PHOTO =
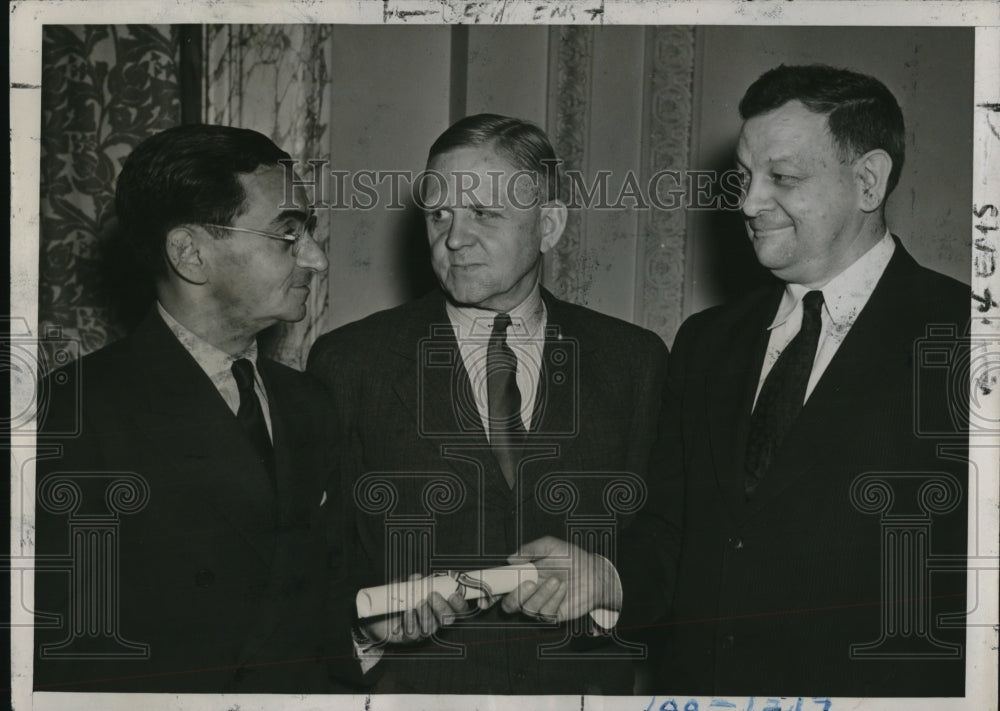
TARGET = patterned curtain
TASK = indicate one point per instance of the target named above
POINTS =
(275, 79)
(104, 89)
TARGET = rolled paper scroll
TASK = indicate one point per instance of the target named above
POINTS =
(472, 585)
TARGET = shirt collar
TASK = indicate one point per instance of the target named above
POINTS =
(846, 294)
(212, 360)
(525, 318)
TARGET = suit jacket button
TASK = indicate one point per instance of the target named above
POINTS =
(735, 542)
(204, 577)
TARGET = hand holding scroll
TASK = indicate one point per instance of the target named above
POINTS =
(432, 612)
(571, 582)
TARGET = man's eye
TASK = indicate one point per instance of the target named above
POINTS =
(783, 179)
(438, 215)
(482, 214)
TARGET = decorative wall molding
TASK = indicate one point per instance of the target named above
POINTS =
(667, 84)
(276, 79)
(666, 145)
(570, 70)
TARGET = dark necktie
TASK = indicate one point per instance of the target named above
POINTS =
(251, 415)
(504, 400)
(783, 393)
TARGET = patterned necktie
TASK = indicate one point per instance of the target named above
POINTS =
(783, 394)
(504, 400)
(251, 415)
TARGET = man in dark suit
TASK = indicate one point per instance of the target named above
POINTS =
(182, 525)
(817, 503)
(490, 419)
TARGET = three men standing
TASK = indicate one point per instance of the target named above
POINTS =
(744, 488)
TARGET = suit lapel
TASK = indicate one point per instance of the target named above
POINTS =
(432, 383)
(182, 399)
(292, 448)
(434, 387)
(288, 444)
(560, 396)
(857, 369)
(730, 387)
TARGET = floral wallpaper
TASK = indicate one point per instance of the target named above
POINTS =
(104, 89)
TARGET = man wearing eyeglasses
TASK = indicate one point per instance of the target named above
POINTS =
(205, 466)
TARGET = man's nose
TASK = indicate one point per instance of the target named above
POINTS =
(311, 256)
(460, 231)
(757, 197)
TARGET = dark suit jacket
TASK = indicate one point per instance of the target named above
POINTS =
(404, 400)
(229, 582)
(773, 592)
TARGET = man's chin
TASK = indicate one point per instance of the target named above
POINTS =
(770, 250)
(463, 295)
(294, 314)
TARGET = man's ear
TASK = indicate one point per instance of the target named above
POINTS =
(553, 223)
(872, 171)
(184, 256)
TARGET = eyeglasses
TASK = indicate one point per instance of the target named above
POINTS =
(292, 237)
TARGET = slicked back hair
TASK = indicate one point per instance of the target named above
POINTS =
(185, 175)
(520, 142)
(862, 113)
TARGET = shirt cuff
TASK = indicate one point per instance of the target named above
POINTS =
(605, 619)
(367, 653)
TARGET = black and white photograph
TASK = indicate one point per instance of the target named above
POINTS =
(459, 354)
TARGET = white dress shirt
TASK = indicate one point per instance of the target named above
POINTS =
(844, 297)
(525, 337)
(218, 365)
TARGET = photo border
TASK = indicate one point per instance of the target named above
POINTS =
(26, 21)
